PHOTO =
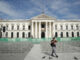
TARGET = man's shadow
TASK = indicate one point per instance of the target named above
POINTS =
(47, 53)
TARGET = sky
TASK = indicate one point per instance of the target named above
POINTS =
(26, 9)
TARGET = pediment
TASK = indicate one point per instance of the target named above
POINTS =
(43, 16)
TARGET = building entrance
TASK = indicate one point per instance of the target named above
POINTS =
(42, 34)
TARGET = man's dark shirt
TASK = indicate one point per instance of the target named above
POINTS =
(53, 43)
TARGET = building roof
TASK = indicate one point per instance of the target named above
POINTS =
(43, 16)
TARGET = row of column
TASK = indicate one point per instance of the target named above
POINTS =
(36, 30)
(67, 26)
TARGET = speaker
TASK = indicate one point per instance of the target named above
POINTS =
(4, 29)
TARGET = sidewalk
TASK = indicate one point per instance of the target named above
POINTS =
(36, 54)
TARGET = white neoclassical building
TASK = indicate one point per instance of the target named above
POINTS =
(41, 26)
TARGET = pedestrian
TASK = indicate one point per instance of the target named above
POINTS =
(53, 45)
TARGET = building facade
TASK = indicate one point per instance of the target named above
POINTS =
(41, 26)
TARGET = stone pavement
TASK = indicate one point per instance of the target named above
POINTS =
(36, 54)
(14, 50)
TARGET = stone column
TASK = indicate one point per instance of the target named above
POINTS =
(39, 29)
(79, 28)
(46, 30)
(32, 30)
(49, 29)
(74, 27)
(75, 34)
(58, 27)
(70, 34)
(20, 34)
(35, 29)
(14, 34)
(59, 34)
(9, 34)
(9, 26)
(53, 30)
(69, 27)
(64, 27)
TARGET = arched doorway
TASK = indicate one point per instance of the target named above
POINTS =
(11, 34)
(23, 35)
(72, 34)
(61, 34)
(42, 34)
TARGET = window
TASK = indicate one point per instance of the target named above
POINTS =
(61, 27)
(0, 34)
(42, 25)
(56, 27)
(77, 27)
(29, 34)
(12, 27)
(17, 27)
(67, 34)
(6, 27)
(66, 27)
(56, 35)
(23, 27)
(6, 34)
(17, 34)
(23, 35)
(72, 34)
(29, 27)
(61, 34)
(77, 34)
(72, 27)
(11, 34)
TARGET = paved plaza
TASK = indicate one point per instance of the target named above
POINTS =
(41, 51)
(37, 54)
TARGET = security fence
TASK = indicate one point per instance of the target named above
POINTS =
(36, 40)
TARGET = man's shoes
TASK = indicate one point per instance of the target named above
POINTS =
(43, 57)
(56, 56)
(52, 55)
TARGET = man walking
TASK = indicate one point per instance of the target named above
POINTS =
(53, 45)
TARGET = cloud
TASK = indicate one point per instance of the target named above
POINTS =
(7, 9)
(63, 9)
(55, 8)
(77, 2)
(58, 4)
(71, 16)
(39, 5)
